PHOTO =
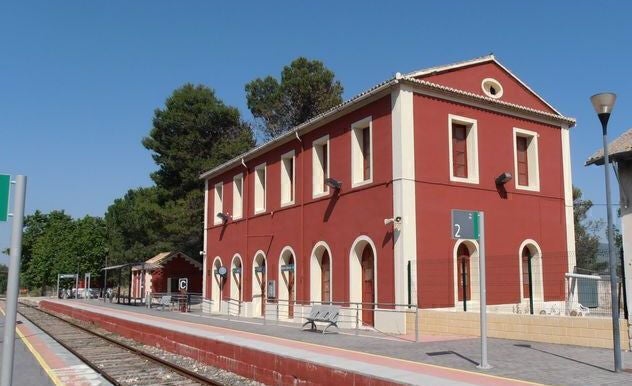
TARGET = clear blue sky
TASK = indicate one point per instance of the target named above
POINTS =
(79, 80)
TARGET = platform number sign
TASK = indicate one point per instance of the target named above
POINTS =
(5, 186)
(183, 283)
(465, 224)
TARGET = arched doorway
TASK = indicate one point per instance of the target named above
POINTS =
(531, 277)
(216, 286)
(259, 284)
(320, 274)
(287, 275)
(464, 288)
(235, 279)
(362, 278)
(368, 285)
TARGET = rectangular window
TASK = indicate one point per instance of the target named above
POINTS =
(526, 160)
(287, 178)
(218, 206)
(260, 188)
(459, 150)
(361, 152)
(320, 166)
(463, 149)
(238, 196)
(523, 160)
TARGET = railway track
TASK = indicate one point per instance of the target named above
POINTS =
(117, 362)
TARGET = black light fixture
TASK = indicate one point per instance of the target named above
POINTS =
(333, 183)
(224, 217)
(503, 178)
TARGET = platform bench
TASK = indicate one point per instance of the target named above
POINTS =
(323, 314)
(165, 301)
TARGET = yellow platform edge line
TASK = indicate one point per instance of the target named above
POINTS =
(49, 371)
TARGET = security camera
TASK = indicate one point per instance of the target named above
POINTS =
(396, 221)
(202, 253)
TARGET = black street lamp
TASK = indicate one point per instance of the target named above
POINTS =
(603, 104)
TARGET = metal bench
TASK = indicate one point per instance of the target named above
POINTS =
(323, 314)
(165, 301)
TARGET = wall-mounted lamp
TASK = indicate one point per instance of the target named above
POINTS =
(202, 253)
(503, 178)
(224, 217)
(333, 183)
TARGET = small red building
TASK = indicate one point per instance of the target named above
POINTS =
(161, 274)
(354, 206)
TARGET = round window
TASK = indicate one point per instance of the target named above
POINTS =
(492, 88)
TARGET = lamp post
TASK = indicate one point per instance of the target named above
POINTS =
(603, 104)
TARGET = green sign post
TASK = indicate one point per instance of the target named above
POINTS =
(5, 186)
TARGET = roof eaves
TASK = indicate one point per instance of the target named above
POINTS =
(303, 126)
(437, 87)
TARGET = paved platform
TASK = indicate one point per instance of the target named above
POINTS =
(40, 361)
(369, 357)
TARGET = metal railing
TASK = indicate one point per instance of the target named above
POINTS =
(175, 301)
(350, 317)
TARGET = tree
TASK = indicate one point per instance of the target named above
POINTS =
(194, 132)
(135, 226)
(60, 244)
(586, 234)
(307, 88)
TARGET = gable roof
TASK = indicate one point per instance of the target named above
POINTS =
(164, 257)
(619, 149)
(382, 87)
(472, 62)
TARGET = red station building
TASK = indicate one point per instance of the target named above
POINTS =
(354, 205)
(161, 274)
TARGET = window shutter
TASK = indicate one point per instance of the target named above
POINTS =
(523, 160)
(459, 150)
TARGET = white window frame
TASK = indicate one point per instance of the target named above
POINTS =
(287, 185)
(260, 189)
(218, 202)
(357, 166)
(532, 156)
(319, 189)
(471, 138)
(238, 197)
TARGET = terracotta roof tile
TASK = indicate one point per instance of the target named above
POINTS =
(620, 148)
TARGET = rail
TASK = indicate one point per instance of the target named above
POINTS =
(176, 368)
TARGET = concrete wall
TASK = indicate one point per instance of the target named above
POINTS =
(581, 331)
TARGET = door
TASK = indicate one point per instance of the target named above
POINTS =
(463, 272)
(526, 273)
(368, 290)
(290, 289)
(324, 276)
(262, 283)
